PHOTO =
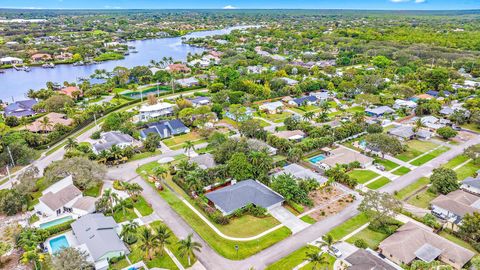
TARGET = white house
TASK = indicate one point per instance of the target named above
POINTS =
(271, 107)
(10, 60)
(408, 104)
(471, 185)
(151, 111)
(64, 197)
(187, 82)
(111, 138)
(289, 81)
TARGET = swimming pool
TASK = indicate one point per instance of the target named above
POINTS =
(316, 159)
(55, 222)
(58, 243)
(363, 143)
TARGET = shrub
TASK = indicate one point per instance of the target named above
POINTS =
(131, 239)
(360, 243)
(299, 208)
(95, 135)
(118, 185)
(59, 228)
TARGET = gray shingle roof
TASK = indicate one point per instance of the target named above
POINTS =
(472, 182)
(98, 233)
(241, 194)
(364, 260)
(204, 161)
(57, 200)
(112, 138)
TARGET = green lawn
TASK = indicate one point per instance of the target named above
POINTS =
(293, 259)
(180, 146)
(415, 149)
(378, 183)
(303, 109)
(427, 157)
(120, 217)
(422, 199)
(467, 170)
(471, 126)
(142, 206)
(145, 155)
(362, 176)
(247, 226)
(401, 171)
(94, 191)
(356, 109)
(348, 226)
(308, 219)
(454, 162)
(180, 139)
(262, 123)
(389, 165)
(457, 241)
(327, 266)
(275, 117)
(412, 188)
(372, 238)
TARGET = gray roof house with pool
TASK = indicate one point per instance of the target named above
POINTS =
(234, 197)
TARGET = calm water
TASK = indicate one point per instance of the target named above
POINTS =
(14, 84)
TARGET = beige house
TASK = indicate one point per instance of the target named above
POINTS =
(53, 120)
(342, 155)
(293, 135)
(411, 242)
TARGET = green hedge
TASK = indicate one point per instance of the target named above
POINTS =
(59, 228)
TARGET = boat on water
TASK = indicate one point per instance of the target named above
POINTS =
(48, 65)
(26, 69)
(79, 63)
(134, 51)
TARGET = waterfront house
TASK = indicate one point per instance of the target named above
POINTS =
(40, 57)
(411, 242)
(240, 194)
(22, 108)
(148, 112)
(10, 60)
(71, 91)
(111, 138)
(98, 236)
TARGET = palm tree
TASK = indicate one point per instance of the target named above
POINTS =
(23, 121)
(315, 258)
(71, 144)
(133, 190)
(111, 197)
(162, 235)
(123, 205)
(328, 241)
(160, 173)
(188, 147)
(148, 242)
(187, 246)
(308, 116)
(129, 230)
(418, 125)
(45, 123)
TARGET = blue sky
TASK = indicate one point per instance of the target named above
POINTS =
(218, 4)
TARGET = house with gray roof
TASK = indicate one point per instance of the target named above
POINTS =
(200, 101)
(111, 138)
(455, 205)
(402, 132)
(165, 128)
(97, 234)
(471, 185)
(234, 197)
(367, 259)
(205, 161)
(301, 101)
(302, 173)
(379, 111)
(22, 108)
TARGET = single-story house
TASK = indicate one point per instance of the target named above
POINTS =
(411, 242)
(70, 90)
(422, 96)
(151, 111)
(343, 155)
(446, 111)
(293, 135)
(301, 172)
(234, 197)
(307, 100)
(63, 56)
(402, 132)
(289, 81)
(10, 60)
(200, 101)
(178, 68)
(455, 205)
(38, 57)
(472, 185)
(408, 104)
(322, 95)
(256, 69)
(379, 111)
(165, 128)
(22, 108)
(111, 138)
(248, 115)
(434, 93)
(63, 197)
(367, 259)
(98, 235)
(432, 122)
(205, 161)
(187, 82)
(54, 119)
(259, 145)
(271, 107)
(424, 134)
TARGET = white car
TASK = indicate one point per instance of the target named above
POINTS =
(335, 252)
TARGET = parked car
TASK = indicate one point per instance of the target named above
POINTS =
(380, 167)
(335, 252)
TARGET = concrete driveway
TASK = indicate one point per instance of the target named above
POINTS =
(288, 219)
(345, 248)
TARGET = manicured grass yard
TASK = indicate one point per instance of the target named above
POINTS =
(274, 117)
(422, 199)
(192, 136)
(363, 176)
(457, 241)
(378, 183)
(120, 217)
(262, 123)
(415, 149)
(297, 257)
(401, 171)
(389, 165)
(328, 266)
(467, 170)
(412, 188)
(454, 162)
(372, 238)
(145, 155)
(348, 226)
(247, 226)
(427, 157)
(356, 109)
(94, 191)
(142, 206)
(308, 219)
(303, 109)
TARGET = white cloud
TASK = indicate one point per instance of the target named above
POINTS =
(407, 1)
(229, 7)
(420, 1)
(399, 1)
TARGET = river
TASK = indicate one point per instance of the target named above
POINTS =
(15, 84)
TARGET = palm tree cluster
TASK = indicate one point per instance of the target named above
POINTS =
(154, 241)
(193, 178)
(115, 155)
(110, 202)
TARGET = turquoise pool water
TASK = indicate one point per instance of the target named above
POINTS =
(363, 143)
(55, 222)
(59, 243)
(316, 159)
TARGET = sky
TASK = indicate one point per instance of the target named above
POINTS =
(245, 4)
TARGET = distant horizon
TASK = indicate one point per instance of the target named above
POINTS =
(382, 5)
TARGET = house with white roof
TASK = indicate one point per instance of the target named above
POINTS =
(379, 111)
(407, 104)
(148, 112)
(272, 107)
(111, 138)
(471, 185)
(301, 172)
(10, 60)
(188, 82)
(289, 81)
